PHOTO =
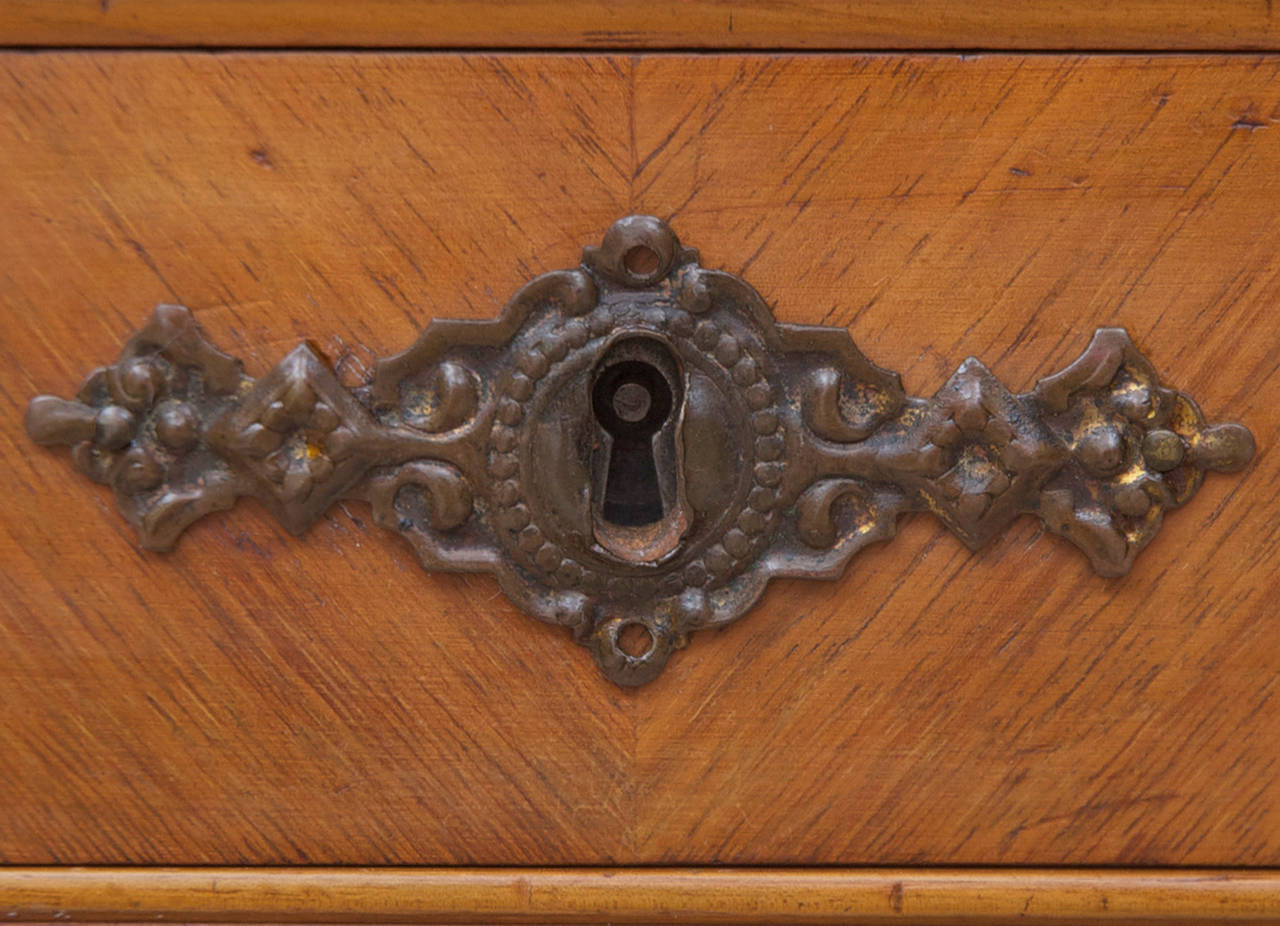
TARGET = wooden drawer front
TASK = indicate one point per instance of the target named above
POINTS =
(257, 698)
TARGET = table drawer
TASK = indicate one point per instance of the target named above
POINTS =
(257, 698)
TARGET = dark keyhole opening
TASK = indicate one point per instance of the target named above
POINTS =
(632, 400)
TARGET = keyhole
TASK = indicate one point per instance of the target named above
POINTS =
(638, 509)
(632, 401)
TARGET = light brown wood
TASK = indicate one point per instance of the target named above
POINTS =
(812, 24)
(640, 895)
(254, 698)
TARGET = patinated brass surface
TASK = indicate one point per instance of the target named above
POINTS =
(635, 447)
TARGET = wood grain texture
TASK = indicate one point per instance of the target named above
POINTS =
(639, 895)
(254, 698)
(773, 24)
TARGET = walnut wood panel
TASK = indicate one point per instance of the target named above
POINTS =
(639, 895)
(254, 698)
(811, 24)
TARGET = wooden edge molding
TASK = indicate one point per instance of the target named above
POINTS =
(639, 895)
(1218, 25)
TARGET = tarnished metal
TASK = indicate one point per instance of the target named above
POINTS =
(635, 447)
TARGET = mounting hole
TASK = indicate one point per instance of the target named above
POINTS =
(635, 640)
(632, 650)
(641, 261)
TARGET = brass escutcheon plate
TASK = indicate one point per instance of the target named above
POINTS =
(635, 447)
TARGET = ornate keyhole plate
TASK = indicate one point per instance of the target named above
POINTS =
(635, 448)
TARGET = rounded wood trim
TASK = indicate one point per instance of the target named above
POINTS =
(814, 24)
(638, 895)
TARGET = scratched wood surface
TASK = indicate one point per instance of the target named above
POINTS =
(253, 698)
(773, 24)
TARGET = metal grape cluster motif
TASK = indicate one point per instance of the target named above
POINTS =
(634, 448)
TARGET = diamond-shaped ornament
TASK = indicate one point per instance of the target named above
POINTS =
(980, 451)
(302, 436)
